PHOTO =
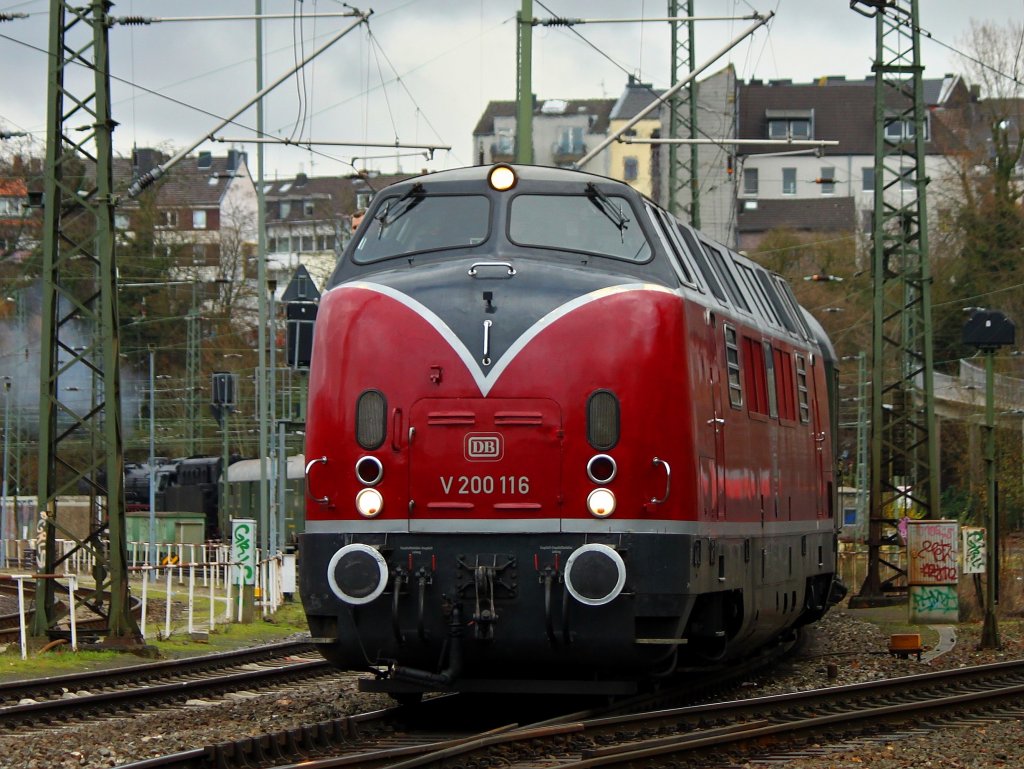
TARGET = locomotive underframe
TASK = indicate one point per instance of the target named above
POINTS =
(459, 606)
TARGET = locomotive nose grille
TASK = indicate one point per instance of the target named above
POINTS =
(485, 458)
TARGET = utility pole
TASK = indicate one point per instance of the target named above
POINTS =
(524, 84)
(682, 118)
(192, 371)
(988, 330)
(262, 401)
(904, 441)
(80, 294)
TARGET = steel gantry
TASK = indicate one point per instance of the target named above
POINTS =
(904, 440)
(80, 441)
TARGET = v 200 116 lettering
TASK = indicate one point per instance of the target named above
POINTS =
(485, 484)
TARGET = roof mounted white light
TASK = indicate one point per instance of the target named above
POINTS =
(502, 178)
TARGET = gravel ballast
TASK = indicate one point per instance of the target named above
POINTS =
(844, 644)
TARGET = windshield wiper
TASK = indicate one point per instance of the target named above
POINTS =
(403, 205)
(604, 204)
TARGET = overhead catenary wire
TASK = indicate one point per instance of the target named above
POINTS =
(152, 175)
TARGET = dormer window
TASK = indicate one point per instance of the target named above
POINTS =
(897, 130)
(790, 124)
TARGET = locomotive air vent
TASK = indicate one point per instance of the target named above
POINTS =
(603, 420)
(371, 410)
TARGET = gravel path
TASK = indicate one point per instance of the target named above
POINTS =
(856, 648)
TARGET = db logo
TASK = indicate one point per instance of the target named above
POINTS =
(484, 447)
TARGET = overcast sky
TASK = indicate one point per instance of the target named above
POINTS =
(430, 68)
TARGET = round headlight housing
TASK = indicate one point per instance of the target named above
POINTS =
(502, 178)
(602, 468)
(369, 470)
(369, 503)
(601, 503)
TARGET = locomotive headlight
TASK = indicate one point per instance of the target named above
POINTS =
(601, 503)
(502, 178)
(369, 502)
(369, 470)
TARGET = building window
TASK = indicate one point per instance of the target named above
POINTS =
(828, 181)
(10, 206)
(867, 179)
(504, 143)
(121, 221)
(363, 200)
(732, 359)
(789, 181)
(166, 219)
(749, 181)
(902, 130)
(570, 141)
(789, 128)
(307, 207)
(630, 168)
(198, 220)
(284, 209)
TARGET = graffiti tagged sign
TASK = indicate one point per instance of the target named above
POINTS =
(932, 550)
(974, 549)
(934, 604)
(934, 576)
(243, 550)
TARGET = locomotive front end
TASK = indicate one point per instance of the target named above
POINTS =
(491, 438)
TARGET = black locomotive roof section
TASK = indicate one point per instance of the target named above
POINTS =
(472, 181)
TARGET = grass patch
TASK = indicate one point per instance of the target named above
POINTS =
(287, 621)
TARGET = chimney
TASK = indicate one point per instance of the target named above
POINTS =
(205, 160)
(301, 179)
(235, 159)
(145, 159)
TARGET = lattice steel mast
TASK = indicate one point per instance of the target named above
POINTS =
(904, 440)
(79, 323)
(682, 117)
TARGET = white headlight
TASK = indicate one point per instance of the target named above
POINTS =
(369, 502)
(601, 503)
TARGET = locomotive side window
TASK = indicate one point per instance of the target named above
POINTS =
(787, 294)
(596, 224)
(417, 222)
(732, 359)
(702, 264)
(801, 389)
(665, 231)
(760, 298)
(776, 301)
(719, 262)
(784, 380)
(769, 364)
(755, 376)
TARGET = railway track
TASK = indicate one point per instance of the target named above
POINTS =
(763, 729)
(57, 699)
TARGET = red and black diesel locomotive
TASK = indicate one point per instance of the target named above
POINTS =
(559, 441)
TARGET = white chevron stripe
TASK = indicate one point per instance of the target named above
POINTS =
(486, 381)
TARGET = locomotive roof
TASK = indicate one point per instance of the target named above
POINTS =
(524, 173)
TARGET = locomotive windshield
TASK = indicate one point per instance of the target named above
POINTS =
(414, 222)
(595, 223)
